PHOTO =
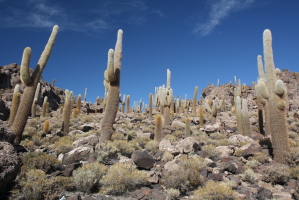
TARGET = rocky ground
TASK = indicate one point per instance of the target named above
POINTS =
(214, 157)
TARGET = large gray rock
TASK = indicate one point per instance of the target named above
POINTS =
(10, 165)
(187, 145)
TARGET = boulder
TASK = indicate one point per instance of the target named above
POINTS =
(187, 145)
(143, 160)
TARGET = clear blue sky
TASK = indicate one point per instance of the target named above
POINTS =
(200, 41)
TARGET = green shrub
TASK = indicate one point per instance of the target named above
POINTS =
(294, 173)
(87, 177)
(214, 191)
(171, 138)
(39, 160)
(186, 176)
(121, 178)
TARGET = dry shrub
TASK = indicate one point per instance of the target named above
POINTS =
(250, 176)
(213, 153)
(39, 160)
(33, 185)
(152, 145)
(63, 145)
(126, 148)
(276, 174)
(215, 191)
(87, 177)
(105, 151)
(167, 156)
(186, 176)
(172, 193)
(171, 138)
(122, 177)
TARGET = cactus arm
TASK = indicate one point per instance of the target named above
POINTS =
(24, 72)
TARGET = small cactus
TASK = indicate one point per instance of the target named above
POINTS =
(44, 107)
(187, 127)
(46, 127)
(158, 128)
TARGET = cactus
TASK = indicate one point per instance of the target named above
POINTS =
(166, 98)
(194, 100)
(150, 104)
(46, 127)
(78, 104)
(31, 84)
(15, 104)
(187, 127)
(66, 112)
(201, 117)
(214, 109)
(273, 91)
(44, 108)
(158, 128)
(245, 118)
(112, 77)
(34, 104)
(53, 82)
(85, 94)
(128, 104)
(239, 115)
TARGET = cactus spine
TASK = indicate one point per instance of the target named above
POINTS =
(31, 84)
(15, 104)
(273, 90)
(112, 77)
(158, 128)
(194, 100)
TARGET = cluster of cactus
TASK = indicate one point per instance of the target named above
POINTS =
(212, 107)
(30, 81)
(272, 93)
(112, 83)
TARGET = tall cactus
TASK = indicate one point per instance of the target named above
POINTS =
(67, 112)
(128, 104)
(31, 83)
(112, 77)
(15, 104)
(150, 110)
(239, 115)
(194, 100)
(166, 98)
(34, 104)
(273, 90)
(245, 118)
(158, 128)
